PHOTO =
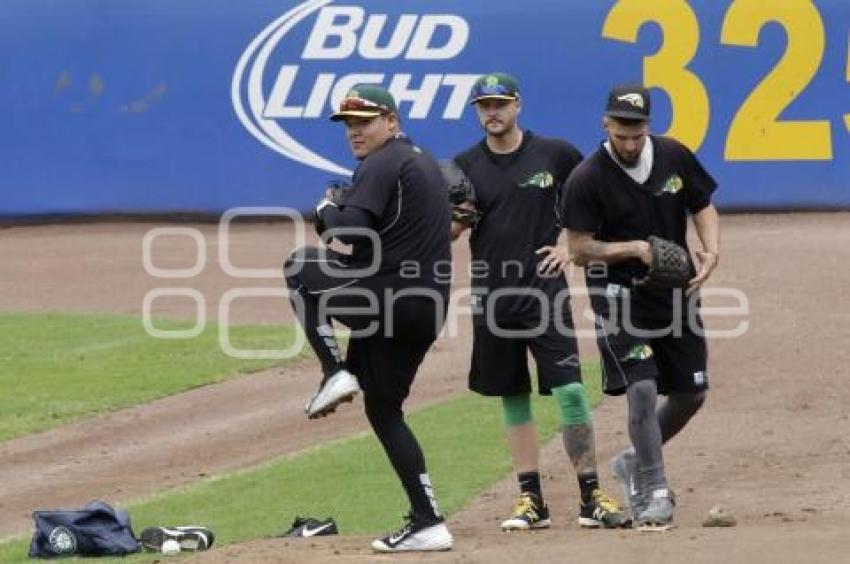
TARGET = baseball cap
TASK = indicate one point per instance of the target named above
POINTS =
(365, 100)
(497, 85)
(628, 101)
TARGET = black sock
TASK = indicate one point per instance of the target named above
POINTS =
(587, 483)
(530, 482)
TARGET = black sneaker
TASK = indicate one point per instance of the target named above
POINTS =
(530, 513)
(602, 511)
(309, 527)
(416, 535)
(190, 538)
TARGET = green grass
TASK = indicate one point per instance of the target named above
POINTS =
(351, 480)
(58, 368)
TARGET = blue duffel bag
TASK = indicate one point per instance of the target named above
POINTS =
(95, 530)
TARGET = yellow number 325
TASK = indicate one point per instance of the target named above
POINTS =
(756, 133)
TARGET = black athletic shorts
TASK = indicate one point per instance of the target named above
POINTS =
(500, 363)
(677, 359)
(671, 352)
(390, 332)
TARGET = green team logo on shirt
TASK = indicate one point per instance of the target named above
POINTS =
(639, 352)
(542, 180)
(673, 185)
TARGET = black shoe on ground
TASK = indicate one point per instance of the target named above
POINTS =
(309, 527)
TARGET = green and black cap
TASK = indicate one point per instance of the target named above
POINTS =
(497, 85)
(365, 100)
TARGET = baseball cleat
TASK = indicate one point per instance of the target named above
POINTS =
(190, 538)
(309, 527)
(334, 390)
(623, 465)
(602, 511)
(530, 513)
(416, 536)
(658, 515)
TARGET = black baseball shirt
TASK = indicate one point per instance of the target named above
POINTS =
(517, 195)
(402, 188)
(602, 199)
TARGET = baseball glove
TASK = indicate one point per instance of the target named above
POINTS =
(340, 190)
(459, 190)
(671, 266)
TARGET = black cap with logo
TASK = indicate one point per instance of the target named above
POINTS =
(628, 101)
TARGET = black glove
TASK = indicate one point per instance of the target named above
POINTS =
(459, 190)
(340, 190)
(671, 266)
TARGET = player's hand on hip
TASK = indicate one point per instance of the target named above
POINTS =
(555, 259)
(706, 261)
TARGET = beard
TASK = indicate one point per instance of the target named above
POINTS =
(502, 129)
(628, 163)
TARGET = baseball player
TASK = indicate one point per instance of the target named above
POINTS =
(396, 218)
(516, 176)
(626, 208)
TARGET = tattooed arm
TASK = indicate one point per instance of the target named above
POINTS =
(584, 249)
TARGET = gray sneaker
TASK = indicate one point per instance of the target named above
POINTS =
(623, 465)
(339, 388)
(658, 515)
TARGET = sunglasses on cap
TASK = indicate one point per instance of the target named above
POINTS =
(494, 90)
(361, 105)
(503, 91)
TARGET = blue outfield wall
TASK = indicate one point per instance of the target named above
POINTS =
(203, 105)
